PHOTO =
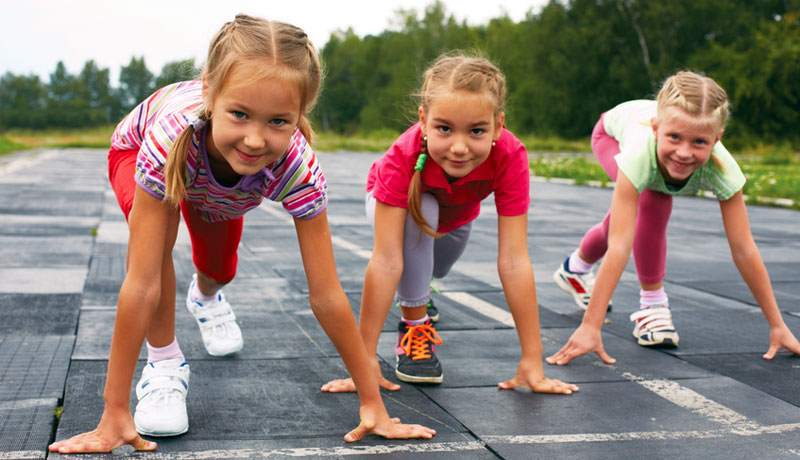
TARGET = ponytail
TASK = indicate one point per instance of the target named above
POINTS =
(415, 194)
(304, 125)
(175, 169)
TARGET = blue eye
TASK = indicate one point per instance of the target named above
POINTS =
(238, 114)
(478, 131)
(278, 122)
(444, 129)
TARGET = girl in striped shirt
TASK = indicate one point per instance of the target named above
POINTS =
(215, 148)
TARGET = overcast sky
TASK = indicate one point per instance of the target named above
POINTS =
(36, 34)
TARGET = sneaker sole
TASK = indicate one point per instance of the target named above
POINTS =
(416, 379)
(666, 342)
(161, 434)
(566, 287)
(227, 353)
(435, 318)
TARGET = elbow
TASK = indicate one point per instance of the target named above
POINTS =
(507, 265)
(329, 303)
(744, 253)
(387, 265)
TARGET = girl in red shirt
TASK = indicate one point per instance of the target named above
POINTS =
(422, 197)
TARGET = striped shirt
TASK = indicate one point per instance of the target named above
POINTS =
(295, 179)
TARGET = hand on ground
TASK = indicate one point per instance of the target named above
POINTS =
(114, 430)
(348, 386)
(585, 339)
(781, 337)
(531, 376)
(377, 421)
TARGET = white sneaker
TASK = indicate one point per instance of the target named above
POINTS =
(161, 410)
(221, 334)
(579, 285)
(653, 327)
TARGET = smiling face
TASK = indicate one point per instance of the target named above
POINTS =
(683, 143)
(251, 123)
(460, 126)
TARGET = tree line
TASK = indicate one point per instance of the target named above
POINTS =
(83, 100)
(564, 64)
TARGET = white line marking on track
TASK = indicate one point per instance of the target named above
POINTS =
(695, 402)
(26, 404)
(481, 306)
(22, 454)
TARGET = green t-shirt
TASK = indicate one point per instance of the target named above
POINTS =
(629, 124)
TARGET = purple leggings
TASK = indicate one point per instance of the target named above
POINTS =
(650, 240)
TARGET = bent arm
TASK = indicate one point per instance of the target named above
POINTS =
(747, 258)
(153, 229)
(620, 241)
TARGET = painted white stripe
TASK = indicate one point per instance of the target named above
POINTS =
(463, 446)
(693, 401)
(26, 404)
(481, 306)
(26, 162)
(641, 435)
(22, 454)
(352, 247)
(421, 448)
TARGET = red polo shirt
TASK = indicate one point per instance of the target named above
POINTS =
(505, 172)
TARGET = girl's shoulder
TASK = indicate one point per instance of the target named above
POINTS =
(630, 116)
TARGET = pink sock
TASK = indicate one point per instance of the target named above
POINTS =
(578, 265)
(171, 351)
(653, 298)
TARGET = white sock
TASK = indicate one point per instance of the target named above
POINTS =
(578, 265)
(416, 322)
(197, 294)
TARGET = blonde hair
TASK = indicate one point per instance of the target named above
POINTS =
(453, 72)
(697, 95)
(286, 52)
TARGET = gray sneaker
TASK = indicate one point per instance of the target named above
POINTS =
(415, 353)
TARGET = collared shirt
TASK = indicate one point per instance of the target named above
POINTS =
(505, 173)
(295, 179)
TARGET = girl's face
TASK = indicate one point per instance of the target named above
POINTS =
(682, 144)
(461, 127)
(251, 124)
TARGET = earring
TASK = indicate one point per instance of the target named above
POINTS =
(425, 138)
(494, 143)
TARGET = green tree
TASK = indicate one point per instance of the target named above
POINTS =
(22, 101)
(176, 71)
(135, 83)
(96, 93)
(66, 105)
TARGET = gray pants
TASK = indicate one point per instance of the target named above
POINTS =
(424, 257)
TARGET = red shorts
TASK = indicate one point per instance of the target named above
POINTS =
(214, 244)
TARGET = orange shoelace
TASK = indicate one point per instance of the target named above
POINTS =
(416, 341)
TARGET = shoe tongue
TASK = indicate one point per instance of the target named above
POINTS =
(168, 363)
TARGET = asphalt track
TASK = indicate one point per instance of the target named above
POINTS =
(62, 257)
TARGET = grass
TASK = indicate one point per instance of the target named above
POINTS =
(771, 173)
(15, 140)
